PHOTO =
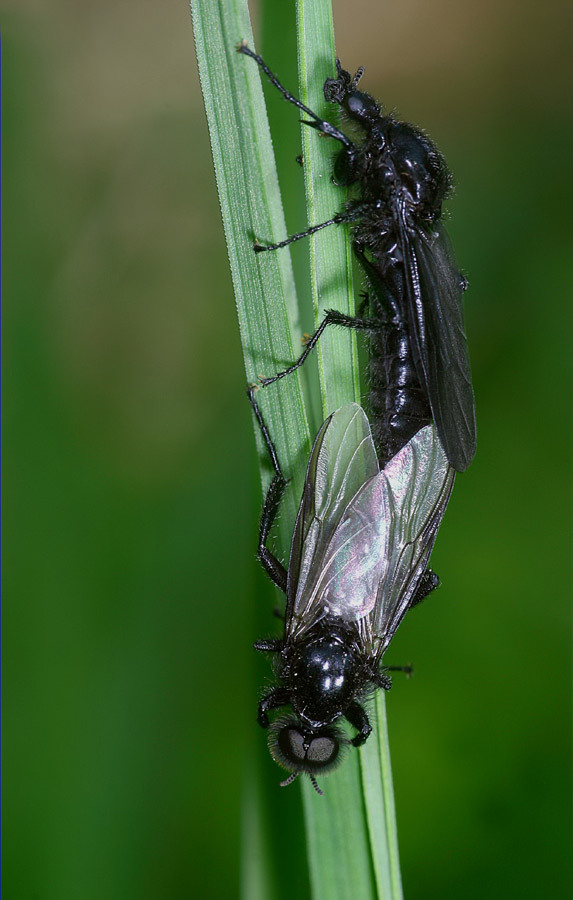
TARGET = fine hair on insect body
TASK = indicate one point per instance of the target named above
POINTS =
(358, 561)
(399, 180)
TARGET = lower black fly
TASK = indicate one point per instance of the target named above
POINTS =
(400, 180)
(358, 561)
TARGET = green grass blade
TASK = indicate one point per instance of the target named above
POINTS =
(330, 251)
(251, 206)
(351, 831)
(378, 792)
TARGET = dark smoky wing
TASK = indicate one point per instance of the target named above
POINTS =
(342, 459)
(435, 289)
(421, 481)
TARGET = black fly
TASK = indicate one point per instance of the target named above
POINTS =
(358, 561)
(400, 179)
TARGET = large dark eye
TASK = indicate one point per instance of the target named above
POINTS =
(361, 106)
(313, 752)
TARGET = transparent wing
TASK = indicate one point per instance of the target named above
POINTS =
(343, 458)
(369, 567)
(380, 549)
(435, 311)
(419, 481)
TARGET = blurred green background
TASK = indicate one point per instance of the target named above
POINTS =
(131, 492)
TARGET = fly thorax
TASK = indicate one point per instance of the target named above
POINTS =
(324, 674)
(419, 167)
(379, 182)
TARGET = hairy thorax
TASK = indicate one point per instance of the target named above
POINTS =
(324, 673)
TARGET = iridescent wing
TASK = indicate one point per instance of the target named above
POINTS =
(380, 549)
(417, 485)
(363, 563)
(343, 458)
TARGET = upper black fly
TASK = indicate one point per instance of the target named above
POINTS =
(358, 561)
(400, 180)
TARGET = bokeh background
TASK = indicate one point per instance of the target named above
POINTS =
(131, 493)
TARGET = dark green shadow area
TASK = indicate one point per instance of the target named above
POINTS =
(131, 493)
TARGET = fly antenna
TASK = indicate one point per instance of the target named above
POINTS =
(357, 77)
(315, 785)
(289, 780)
(407, 670)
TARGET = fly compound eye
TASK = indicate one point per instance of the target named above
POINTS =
(361, 106)
(322, 750)
(313, 752)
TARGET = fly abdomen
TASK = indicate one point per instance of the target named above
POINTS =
(398, 405)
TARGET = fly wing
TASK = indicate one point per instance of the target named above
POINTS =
(370, 568)
(435, 312)
(343, 458)
(420, 481)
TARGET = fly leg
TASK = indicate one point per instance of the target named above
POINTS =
(357, 717)
(352, 213)
(272, 566)
(428, 583)
(332, 317)
(338, 219)
(407, 670)
(381, 680)
(387, 301)
(251, 390)
(275, 698)
(269, 645)
(320, 124)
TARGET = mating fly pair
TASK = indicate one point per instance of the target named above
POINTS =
(374, 497)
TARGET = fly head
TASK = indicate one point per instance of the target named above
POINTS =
(302, 750)
(361, 107)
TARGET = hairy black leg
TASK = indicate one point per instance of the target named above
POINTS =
(321, 124)
(338, 219)
(385, 298)
(270, 645)
(275, 698)
(381, 680)
(251, 390)
(272, 566)
(428, 583)
(357, 717)
(332, 317)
